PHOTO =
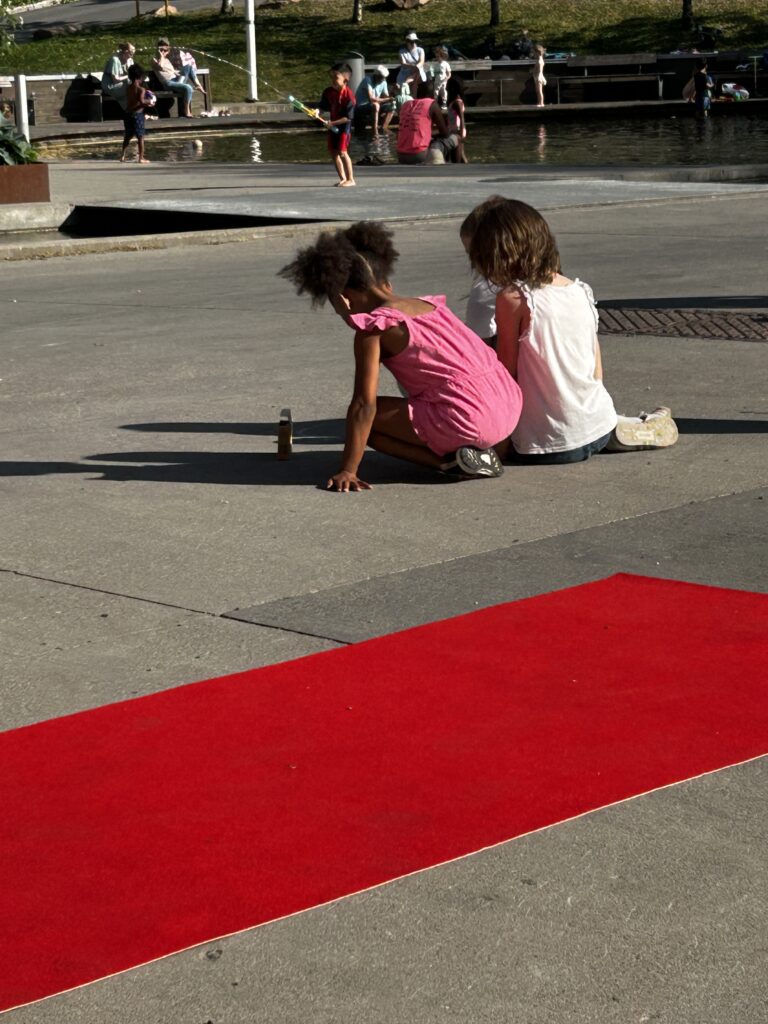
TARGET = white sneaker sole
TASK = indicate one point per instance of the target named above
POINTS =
(657, 430)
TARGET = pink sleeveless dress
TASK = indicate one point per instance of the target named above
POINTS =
(459, 393)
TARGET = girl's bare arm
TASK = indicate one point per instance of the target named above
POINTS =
(438, 119)
(511, 320)
(598, 361)
(360, 414)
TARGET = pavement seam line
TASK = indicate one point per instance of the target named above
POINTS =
(230, 617)
(509, 547)
(167, 604)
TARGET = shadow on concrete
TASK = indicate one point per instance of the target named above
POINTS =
(690, 302)
(305, 469)
(707, 426)
(304, 432)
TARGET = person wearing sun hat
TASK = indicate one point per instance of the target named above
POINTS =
(412, 59)
(372, 98)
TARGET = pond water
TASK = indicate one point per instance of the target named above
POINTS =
(734, 139)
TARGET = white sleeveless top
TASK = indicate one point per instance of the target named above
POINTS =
(564, 405)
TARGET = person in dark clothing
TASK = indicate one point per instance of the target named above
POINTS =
(522, 48)
(702, 88)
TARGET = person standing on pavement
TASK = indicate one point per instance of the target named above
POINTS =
(339, 100)
(136, 101)
(441, 73)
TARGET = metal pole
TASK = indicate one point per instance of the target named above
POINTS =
(138, 9)
(22, 113)
(250, 41)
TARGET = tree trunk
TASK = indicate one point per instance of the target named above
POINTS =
(686, 19)
(495, 12)
(357, 12)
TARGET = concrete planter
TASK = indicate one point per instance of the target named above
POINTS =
(24, 183)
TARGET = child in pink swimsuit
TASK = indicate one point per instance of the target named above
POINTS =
(461, 401)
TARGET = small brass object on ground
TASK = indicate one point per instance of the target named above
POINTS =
(285, 435)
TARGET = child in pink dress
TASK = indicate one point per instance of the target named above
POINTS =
(461, 401)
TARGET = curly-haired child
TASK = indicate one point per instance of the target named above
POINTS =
(546, 337)
(461, 401)
(137, 99)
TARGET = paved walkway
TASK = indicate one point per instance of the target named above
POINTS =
(86, 13)
(143, 504)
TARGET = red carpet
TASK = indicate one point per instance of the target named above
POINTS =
(141, 828)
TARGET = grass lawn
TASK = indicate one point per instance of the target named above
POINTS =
(296, 43)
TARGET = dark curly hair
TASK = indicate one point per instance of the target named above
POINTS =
(512, 242)
(355, 257)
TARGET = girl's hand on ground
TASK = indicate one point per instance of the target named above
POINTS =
(346, 481)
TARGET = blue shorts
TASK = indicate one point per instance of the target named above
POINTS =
(134, 124)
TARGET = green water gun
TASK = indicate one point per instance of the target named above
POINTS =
(298, 105)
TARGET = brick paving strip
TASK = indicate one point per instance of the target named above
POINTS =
(684, 323)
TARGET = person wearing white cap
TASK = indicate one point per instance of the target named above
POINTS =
(412, 60)
(372, 98)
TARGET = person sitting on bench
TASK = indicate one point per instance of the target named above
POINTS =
(182, 83)
(372, 98)
(114, 81)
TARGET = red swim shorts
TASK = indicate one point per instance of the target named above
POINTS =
(338, 143)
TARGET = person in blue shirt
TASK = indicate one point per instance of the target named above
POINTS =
(373, 99)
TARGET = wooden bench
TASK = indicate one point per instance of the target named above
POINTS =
(101, 107)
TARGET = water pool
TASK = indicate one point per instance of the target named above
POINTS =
(734, 139)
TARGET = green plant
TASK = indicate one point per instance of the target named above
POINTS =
(8, 23)
(14, 148)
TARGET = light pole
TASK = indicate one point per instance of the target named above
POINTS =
(250, 42)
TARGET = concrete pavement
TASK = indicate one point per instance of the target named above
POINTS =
(151, 538)
(84, 13)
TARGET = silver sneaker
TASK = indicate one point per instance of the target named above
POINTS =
(478, 462)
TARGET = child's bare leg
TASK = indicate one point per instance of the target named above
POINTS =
(349, 173)
(392, 433)
(141, 158)
(339, 164)
(539, 94)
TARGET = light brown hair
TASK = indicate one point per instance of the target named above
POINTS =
(470, 222)
(512, 242)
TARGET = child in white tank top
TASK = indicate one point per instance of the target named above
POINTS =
(546, 327)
